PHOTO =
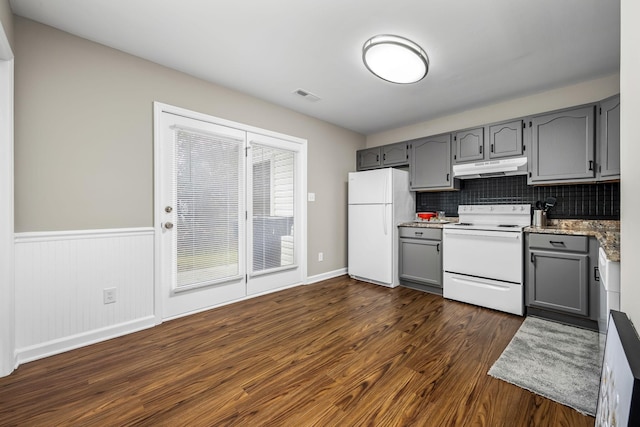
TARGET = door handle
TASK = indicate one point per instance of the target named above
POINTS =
(168, 225)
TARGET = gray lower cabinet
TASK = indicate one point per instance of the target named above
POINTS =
(609, 161)
(430, 163)
(420, 258)
(563, 146)
(559, 282)
(368, 158)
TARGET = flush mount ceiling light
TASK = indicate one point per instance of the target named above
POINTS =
(395, 59)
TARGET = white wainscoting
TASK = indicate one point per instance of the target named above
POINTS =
(59, 283)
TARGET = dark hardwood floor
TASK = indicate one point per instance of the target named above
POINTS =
(335, 353)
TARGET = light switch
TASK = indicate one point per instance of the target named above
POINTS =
(311, 197)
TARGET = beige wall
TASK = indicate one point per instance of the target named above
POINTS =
(568, 96)
(84, 148)
(6, 18)
(630, 153)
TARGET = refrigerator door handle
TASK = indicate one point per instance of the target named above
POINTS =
(384, 207)
(384, 219)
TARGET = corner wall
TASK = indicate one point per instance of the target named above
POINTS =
(630, 153)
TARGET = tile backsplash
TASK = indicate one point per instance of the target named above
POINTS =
(580, 201)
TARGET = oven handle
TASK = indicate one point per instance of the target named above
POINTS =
(482, 284)
(478, 233)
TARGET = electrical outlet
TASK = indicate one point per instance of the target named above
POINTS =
(320, 256)
(109, 295)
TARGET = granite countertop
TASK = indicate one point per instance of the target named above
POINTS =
(607, 232)
(429, 224)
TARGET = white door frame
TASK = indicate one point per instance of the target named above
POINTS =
(8, 359)
(158, 109)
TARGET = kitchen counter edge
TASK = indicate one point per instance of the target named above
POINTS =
(606, 232)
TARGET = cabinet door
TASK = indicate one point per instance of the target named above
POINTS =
(609, 167)
(430, 163)
(505, 139)
(395, 154)
(563, 146)
(421, 261)
(469, 145)
(369, 158)
(559, 282)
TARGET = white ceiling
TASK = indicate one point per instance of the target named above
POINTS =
(481, 51)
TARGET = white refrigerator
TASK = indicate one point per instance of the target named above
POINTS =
(379, 200)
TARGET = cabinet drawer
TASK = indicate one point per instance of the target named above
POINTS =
(421, 233)
(558, 242)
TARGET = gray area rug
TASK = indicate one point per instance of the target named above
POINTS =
(559, 362)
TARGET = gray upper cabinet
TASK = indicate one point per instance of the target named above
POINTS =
(369, 158)
(609, 162)
(505, 139)
(381, 157)
(430, 163)
(495, 141)
(469, 145)
(563, 146)
(395, 154)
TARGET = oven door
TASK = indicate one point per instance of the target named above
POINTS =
(481, 253)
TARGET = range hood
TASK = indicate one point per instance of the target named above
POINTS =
(513, 166)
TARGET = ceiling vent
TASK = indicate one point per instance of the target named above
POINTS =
(307, 95)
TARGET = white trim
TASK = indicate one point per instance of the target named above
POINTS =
(325, 276)
(45, 236)
(8, 361)
(61, 345)
(160, 108)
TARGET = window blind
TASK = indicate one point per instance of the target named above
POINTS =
(209, 172)
(273, 178)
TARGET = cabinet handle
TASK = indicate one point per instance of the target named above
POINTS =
(438, 247)
(533, 258)
(556, 243)
(447, 177)
(590, 165)
(530, 124)
(377, 157)
(384, 156)
(481, 149)
(418, 233)
(596, 274)
(492, 148)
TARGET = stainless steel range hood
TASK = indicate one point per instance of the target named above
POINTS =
(514, 166)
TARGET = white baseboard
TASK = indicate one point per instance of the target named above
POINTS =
(40, 351)
(324, 276)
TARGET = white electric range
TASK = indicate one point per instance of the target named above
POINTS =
(483, 256)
